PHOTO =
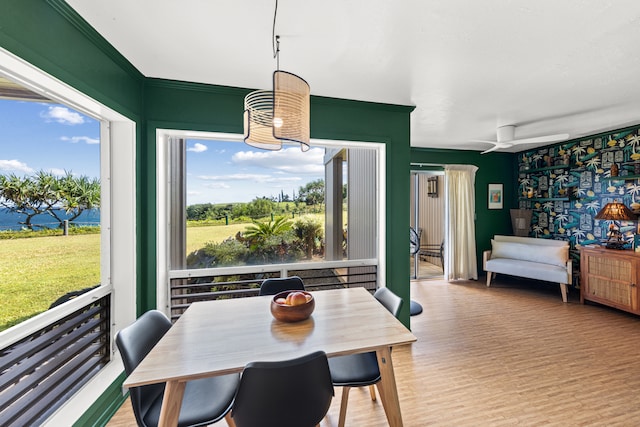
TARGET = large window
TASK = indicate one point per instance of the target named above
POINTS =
(228, 205)
(76, 162)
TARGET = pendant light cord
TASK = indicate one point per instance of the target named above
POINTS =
(275, 40)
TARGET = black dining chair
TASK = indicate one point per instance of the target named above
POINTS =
(205, 401)
(361, 370)
(278, 284)
(289, 393)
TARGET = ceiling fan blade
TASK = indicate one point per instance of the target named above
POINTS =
(542, 139)
(505, 144)
(496, 145)
(494, 148)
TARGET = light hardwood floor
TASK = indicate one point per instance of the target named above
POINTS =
(428, 270)
(508, 355)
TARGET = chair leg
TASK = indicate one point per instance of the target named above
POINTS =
(372, 391)
(229, 420)
(343, 406)
(489, 276)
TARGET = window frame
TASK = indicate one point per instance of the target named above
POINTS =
(163, 183)
(118, 226)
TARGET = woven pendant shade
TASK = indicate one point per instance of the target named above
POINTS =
(271, 117)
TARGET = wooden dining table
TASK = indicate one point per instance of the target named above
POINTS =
(221, 337)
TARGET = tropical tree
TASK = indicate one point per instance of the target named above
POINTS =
(198, 212)
(308, 230)
(262, 230)
(20, 196)
(208, 211)
(77, 194)
(312, 193)
(258, 207)
(46, 193)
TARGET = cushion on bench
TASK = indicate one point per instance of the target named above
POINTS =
(543, 254)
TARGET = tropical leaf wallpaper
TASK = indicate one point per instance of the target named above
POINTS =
(565, 185)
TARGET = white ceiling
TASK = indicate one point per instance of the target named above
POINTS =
(468, 66)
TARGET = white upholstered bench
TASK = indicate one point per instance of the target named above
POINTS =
(540, 259)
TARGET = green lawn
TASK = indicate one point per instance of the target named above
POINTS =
(35, 272)
(197, 237)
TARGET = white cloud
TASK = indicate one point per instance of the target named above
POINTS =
(217, 185)
(234, 177)
(257, 178)
(85, 139)
(63, 115)
(290, 160)
(284, 179)
(14, 165)
(198, 148)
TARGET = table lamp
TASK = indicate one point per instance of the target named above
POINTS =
(613, 212)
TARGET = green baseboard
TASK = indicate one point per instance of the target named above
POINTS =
(99, 414)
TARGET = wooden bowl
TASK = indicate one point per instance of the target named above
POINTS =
(292, 313)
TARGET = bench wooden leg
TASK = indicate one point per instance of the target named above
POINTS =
(489, 277)
(563, 290)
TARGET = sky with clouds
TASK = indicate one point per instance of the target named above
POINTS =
(222, 171)
(38, 136)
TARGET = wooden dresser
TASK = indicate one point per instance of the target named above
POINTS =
(610, 277)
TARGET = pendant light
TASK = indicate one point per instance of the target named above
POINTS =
(272, 117)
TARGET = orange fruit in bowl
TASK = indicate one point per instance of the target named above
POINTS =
(298, 306)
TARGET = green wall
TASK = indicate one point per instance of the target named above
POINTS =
(49, 35)
(493, 168)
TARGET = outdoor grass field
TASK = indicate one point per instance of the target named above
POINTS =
(35, 272)
(197, 237)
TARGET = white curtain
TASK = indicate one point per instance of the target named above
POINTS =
(460, 246)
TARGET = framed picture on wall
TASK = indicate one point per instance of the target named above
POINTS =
(495, 196)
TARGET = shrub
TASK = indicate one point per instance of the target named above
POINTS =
(308, 230)
(26, 233)
(241, 250)
(275, 249)
(227, 253)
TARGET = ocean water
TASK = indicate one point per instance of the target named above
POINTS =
(11, 221)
